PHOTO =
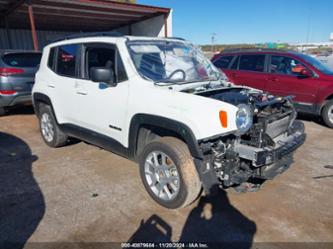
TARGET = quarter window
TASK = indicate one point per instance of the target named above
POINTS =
(252, 63)
(50, 61)
(223, 61)
(285, 65)
(66, 60)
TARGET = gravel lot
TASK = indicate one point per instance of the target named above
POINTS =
(83, 193)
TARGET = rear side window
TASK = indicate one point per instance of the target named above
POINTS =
(66, 60)
(223, 61)
(252, 63)
(22, 59)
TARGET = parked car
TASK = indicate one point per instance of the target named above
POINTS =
(283, 73)
(161, 102)
(17, 76)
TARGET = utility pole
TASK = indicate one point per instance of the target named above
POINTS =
(213, 37)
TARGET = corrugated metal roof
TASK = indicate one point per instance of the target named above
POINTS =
(21, 39)
(76, 15)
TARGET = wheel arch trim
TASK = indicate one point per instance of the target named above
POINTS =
(179, 128)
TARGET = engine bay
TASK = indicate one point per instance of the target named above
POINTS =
(254, 156)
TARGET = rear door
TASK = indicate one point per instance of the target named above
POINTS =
(63, 62)
(285, 79)
(249, 70)
(20, 69)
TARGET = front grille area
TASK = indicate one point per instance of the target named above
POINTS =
(277, 127)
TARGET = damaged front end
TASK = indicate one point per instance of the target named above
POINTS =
(262, 152)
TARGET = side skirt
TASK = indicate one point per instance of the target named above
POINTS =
(307, 108)
(97, 139)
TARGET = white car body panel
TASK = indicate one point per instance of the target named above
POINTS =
(85, 104)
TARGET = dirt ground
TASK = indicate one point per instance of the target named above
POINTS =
(83, 193)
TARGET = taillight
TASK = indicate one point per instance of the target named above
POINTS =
(7, 92)
(4, 71)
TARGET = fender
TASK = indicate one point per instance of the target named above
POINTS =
(40, 97)
(208, 177)
(164, 123)
(325, 93)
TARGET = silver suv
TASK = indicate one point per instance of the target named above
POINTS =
(17, 76)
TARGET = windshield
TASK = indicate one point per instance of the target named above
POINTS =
(171, 62)
(317, 64)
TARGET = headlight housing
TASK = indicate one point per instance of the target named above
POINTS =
(244, 118)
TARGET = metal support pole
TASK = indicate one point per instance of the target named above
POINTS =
(33, 28)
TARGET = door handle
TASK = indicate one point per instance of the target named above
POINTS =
(82, 92)
(80, 89)
(51, 86)
(274, 79)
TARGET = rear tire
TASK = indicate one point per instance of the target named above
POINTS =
(50, 131)
(327, 114)
(174, 162)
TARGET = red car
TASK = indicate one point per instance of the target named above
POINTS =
(283, 73)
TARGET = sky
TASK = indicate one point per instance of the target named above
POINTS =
(250, 21)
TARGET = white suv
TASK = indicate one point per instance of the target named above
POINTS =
(161, 103)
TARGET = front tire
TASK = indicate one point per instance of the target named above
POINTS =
(327, 114)
(50, 131)
(168, 173)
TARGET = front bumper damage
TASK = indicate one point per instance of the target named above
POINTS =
(231, 162)
(271, 160)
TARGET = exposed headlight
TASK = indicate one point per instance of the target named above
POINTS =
(244, 118)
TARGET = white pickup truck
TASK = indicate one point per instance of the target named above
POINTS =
(161, 103)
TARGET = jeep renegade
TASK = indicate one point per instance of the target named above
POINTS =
(163, 104)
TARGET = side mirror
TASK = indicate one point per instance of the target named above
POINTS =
(102, 74)
(305, 73)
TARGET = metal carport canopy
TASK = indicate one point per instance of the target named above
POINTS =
(75, 15)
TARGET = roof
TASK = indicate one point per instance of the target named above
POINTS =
(76, 15)
(257, 50)
(107, 34)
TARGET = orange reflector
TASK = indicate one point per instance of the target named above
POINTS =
(224, 119)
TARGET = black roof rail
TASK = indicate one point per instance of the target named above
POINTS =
(89, 34)
(231, 50)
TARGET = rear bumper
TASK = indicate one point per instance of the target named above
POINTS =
(16, 99)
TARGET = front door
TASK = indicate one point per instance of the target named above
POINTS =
(102, 108)
(285, 79)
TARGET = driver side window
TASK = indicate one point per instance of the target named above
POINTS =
(104, 56)
(285, 65)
